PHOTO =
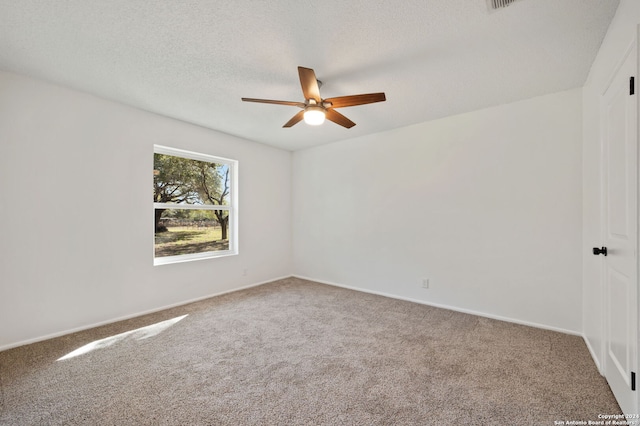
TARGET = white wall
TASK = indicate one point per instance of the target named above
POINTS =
(76, 234)
(618, 39)
(487, 205)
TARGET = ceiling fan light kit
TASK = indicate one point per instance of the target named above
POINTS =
(315, 109)
(314, 115)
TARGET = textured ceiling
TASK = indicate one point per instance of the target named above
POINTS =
(194, 59)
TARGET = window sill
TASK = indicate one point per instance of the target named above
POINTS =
(168, 260)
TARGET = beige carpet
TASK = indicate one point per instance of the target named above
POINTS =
(295, 352)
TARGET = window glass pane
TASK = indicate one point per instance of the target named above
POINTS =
(190, 231)
(193, 198)
(178, 180)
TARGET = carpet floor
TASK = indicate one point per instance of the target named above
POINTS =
(294, 352)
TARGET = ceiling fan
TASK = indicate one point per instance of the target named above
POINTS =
(314, 108)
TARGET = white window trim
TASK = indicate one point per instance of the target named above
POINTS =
(232, 208)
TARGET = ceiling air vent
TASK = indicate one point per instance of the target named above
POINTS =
(498, 4)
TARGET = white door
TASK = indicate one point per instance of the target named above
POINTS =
(620, 229)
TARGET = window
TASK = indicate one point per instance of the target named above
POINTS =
(195, 206)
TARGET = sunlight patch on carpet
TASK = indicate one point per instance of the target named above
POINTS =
(138, 334)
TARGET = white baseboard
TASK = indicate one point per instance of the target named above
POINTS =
(126, 317)
(596, 359)
(393, 296)
(451, 308)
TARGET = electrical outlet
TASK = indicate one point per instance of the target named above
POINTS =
(425, 283)
(245, 272)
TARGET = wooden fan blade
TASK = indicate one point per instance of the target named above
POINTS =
(271, 101)
(309, 84)
(338, 118)
(353, 100)
(295, 119)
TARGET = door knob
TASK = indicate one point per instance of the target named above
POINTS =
(598, 251)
